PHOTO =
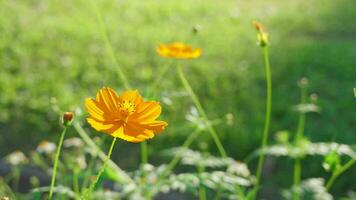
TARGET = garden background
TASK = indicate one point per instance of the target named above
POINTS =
(52, 52)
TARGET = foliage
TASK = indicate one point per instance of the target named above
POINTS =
(53, 54)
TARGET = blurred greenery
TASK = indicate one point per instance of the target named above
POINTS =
(53, 51)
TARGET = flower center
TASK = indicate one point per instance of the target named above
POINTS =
(126, 108)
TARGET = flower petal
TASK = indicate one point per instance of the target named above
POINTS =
(155, 126)
(138, 131)
(196, 53)
(147, 111)
(120, 133)
(94, 110)
(131, 95)
(99, 126)
(108, 98)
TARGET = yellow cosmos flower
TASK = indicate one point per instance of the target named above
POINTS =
(127, 116)
(178, 50)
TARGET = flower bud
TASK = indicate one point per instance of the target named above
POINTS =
(303, 82)
(332, 161)
(259, 27)
(262, 36)
(196, 29)
(314, 98)
(67, 118)
(282, 137)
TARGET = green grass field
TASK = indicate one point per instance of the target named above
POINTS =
(53, 52)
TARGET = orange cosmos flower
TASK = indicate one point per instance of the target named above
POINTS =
(127, 116)
(178, 50)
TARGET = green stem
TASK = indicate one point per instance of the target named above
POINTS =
(76, 183)
(5, 187)
(297, 178)
(54, 172)
(144, 160)
(202, 192)
(299, 135)
(87, 173)
(16, 176)
(177, 157)
(144, 152)
(267, 116)
(342, 169)
(302, 117)
(102, 169)
(88, 141)
(201, 110)
(160, 76)
(108, 44)
(218, 193)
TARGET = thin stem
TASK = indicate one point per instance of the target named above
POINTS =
(202, 192)
(267, 116)
(87, 173)
(144, 152)
(160, 76)
(302, 117)
(54, 171)
(218, 193)
(102, 169)
(76, 182)
(88, 141)
(16, 176)
(201, 110)
(5, 187)
(299, 135)
(144, 160)
(297, 177)
(177, 157)
(342, 169)
(108, 44)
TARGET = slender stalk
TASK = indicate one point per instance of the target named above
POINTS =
(54, 171)
(88, 141)
(16, 172)
(297, 177)
(218, 193)
(267, 116)
(87, 174)
(201, 110)
(177, 157)
(5, 187)
(144, 152)
(152, 91)
(202, 192)
(299, 135)
(76, 182)
(336, 174)
(160, 76)
(102, 169)
(144, 160)
(302, 117)
(105, 36)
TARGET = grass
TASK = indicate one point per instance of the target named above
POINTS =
(53, 51)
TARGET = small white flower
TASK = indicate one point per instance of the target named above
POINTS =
(81, 162)
(16, 158)
(73, 142)
(46, 147)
